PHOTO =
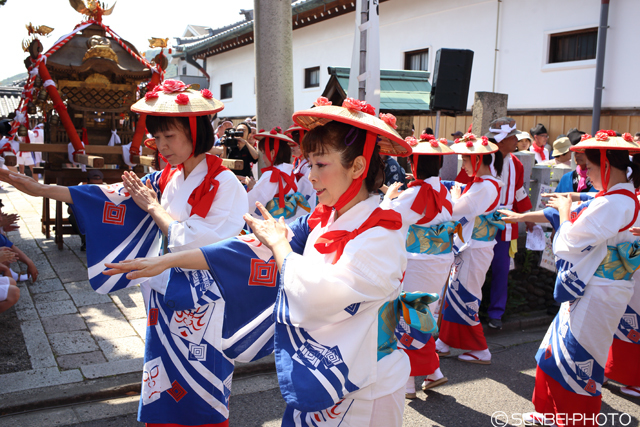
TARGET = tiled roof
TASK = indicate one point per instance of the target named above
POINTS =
(229, 35)
(9, 99)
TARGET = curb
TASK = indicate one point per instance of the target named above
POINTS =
(100, 389)
(128, 384)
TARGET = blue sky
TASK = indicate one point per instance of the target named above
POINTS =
(133, 20)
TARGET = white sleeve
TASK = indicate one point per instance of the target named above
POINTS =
(370, 269)
(475, 202)
(601, 221)
(262, 192)
(402, 205)
(223, 220)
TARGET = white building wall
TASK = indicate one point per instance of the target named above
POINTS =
(238, 67)
(520, 70)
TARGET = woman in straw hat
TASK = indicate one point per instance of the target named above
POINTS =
(596, 256)
(338, 298)
(300, 164)
(193, 202)
(278, 189)
(475, 209)
(426, 210)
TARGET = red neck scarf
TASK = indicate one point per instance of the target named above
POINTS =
(539, 150)
(285, 182)
(202, 197)
(335, 241)
(429, 201)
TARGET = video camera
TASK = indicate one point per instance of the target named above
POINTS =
(230, 138)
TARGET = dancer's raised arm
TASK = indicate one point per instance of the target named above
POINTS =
(32, 187)
(148, 267)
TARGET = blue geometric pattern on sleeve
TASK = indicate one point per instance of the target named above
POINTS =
(116, 229)
(568, 285)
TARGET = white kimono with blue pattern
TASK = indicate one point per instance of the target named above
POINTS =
(575, 348)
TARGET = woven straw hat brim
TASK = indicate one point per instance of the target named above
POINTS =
(165, 105)
(476, 148)
(612, 143)
(279, 136)
(390, 143)
(295, 128)
(425, 148)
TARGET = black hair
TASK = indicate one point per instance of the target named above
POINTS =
(618, 159)
(246, 125)
(428, 166)
(204, 130)
(498, 162)
(284, 151)
(333, 136)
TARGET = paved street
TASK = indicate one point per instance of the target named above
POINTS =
(71, 332)
(470, 398)
(85, 353)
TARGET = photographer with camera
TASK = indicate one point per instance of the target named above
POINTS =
(236, 146)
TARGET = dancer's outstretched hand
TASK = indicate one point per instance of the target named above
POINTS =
(144, 195)
(270, 232)
(22, 183)
(136, 268)
(510, 216)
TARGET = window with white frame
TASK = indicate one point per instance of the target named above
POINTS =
(226, 91)
(312, 77)
(579, 45)
(417, 60)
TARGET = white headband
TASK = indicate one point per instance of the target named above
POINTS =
(502, 132)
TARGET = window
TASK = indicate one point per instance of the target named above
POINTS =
(573, 45)
(417, 60)
(226, 91)
(184, 70)
(312, 77)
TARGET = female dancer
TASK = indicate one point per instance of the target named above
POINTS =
(475, 209)
(200, 202)
(426, 210)
(335, 322)
(278, 188)
(596, 257)
(300, 163)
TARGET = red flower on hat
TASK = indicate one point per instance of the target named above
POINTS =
(273, 131)
(172, 86)
(434, 143)
(585, 136)
(357, 105)
(322, 102)
(485, 140)
(455, 141)
(602, 136)
(389, 119)
(469, 137)
(427, 137)
(206, 93)
(182, 99)
(443, 141)
(411, 141)
(469, 144)
(151, 95)
(261, 130)
(627, 137)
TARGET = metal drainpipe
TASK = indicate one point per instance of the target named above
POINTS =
(495, 53)
(602, 47)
